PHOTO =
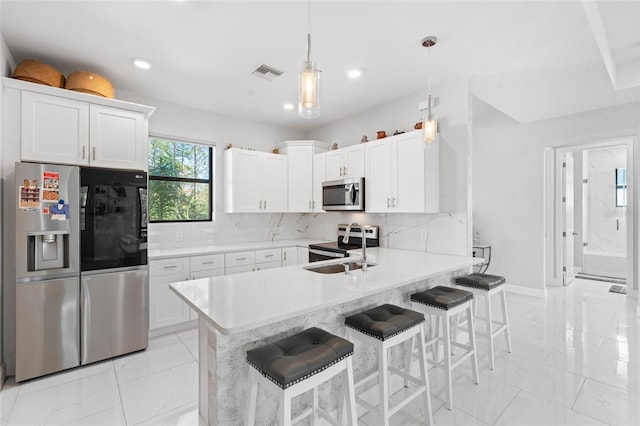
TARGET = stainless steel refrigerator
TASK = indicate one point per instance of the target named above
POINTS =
(81, 266)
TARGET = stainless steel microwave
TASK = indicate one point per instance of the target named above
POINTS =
(345, 194)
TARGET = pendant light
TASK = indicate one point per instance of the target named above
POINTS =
(429, 123)
(309, 81)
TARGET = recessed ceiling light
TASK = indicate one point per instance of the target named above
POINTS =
(354, 73)
(287, 106)
(141, 63)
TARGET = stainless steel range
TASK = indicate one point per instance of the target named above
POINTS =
(339, 249)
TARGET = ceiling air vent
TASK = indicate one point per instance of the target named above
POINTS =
(266, 72)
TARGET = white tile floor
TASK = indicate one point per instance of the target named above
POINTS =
(575, 361)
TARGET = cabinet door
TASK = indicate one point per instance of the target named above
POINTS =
(303, 255)
(432, 172)
(378, 182)
(242, 181)
(354, 161)
(165, 307)
(334, 165)
(117, 138)
(273, 179)
(300, 164)
(289, 256)
(319, 176)
(54, 130)
(409, 166)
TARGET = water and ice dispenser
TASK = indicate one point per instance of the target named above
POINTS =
(47, 250)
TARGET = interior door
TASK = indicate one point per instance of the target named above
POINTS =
(568, 271)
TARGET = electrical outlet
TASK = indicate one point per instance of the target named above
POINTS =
(179, 236)
(424, 233)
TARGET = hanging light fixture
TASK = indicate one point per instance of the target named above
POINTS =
(309, 81)
(429, 123)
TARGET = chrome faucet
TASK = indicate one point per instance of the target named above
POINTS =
(345, 239)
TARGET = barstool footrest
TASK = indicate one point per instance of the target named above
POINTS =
(399, 406)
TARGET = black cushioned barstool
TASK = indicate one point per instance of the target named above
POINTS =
(446, 303)
(297, 364)
(485, 285)
(384, 327)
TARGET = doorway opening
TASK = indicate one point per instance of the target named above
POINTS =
(589, 213)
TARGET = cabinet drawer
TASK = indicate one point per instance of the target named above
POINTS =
(239, 259)
(268, 265)
(179, 265)
(238, 269)
(209, 261)
(207, 273)
(269, 255)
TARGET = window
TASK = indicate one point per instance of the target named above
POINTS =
(621, 187)
(180, 183)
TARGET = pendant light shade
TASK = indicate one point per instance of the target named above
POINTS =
(429, 122)
(308, 87)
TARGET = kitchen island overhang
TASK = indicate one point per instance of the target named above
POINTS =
(243, 311)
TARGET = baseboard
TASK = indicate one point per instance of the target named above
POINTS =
(540, 293)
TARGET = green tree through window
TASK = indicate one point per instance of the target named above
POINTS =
(180, 183)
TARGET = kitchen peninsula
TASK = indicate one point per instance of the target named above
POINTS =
(243, 311)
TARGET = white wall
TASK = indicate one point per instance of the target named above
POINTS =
(448, 231)
(508, 179)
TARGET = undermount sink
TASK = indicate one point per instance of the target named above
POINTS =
(336, 268)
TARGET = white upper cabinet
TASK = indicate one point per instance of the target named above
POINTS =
(319, 176)
(300, 160)
(345, 163)
(54, 130)
(62, 126)
(401, 175)
(254, 182)
(118, 138)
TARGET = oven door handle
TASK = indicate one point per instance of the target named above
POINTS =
(326, 253)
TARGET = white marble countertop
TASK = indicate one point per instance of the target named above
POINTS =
(195, 250)
(240, 302)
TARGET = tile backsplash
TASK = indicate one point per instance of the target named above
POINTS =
(442, 232)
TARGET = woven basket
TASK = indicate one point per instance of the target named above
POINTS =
(89, 82)
(38, 72)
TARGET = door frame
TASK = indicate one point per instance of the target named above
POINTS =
(553, 209)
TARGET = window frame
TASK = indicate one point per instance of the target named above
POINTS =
(209, 181)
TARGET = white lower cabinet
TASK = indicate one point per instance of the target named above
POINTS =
(165, 307)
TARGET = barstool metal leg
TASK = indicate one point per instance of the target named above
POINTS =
(447, 362)
(424, 371)
(350, 394)
(250, 413)
(383, 360)
(472, 343)
(489, 320)
(505, 317)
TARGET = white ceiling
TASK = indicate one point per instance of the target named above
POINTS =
(203, 51)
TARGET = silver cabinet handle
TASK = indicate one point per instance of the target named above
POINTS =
(342, 171)
(208, 263)
(268, 255)
(241, 258)
(83, 151)
(393, 202)
(260, 204)
(170, 267)
(265, 204)
(314, 204)
(285, 255)
(94, 153)
(345, 170)
(388, 202)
